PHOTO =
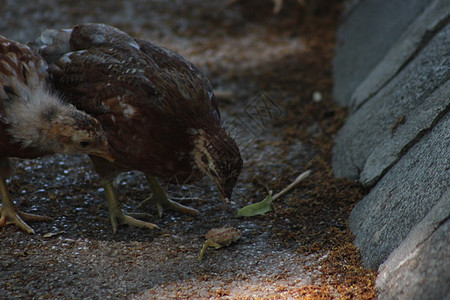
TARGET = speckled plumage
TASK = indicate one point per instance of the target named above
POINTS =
(21, 70)
(158, 109)
(151, 101)
(34, 121)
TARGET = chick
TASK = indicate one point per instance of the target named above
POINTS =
(35, 122)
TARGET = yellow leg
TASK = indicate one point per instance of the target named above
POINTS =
(116, 216)
(162, 201)
(10, 215)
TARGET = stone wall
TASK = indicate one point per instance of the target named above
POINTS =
(392, 68)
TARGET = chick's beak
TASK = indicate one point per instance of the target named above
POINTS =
(103, 150)
(106, 155)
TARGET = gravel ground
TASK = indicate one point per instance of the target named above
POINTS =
(301, 250)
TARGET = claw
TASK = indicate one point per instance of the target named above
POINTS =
(161, 201)
(117, 217)
(10, 215)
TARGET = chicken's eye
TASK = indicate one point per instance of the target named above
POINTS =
(84, 144)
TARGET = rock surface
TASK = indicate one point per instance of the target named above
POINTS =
(396, 141)
(375, 136)
(365, 36)
(410, 43)
(404, 196)
(417, 259)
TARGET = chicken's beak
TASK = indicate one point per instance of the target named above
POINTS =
(224, 197)
(227, 189)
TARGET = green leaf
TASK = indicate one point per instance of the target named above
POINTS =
(259, 208)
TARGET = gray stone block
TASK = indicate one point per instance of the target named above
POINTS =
(377, 125)
(393, 59)
(419, 120)
(403, 197)
(365, 36)
(420, 267)
(414, 37)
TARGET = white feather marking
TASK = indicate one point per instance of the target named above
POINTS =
(128, 110)
(131, 71)
(31, 64)
(134, 45)
(65, 58)
(201, 152)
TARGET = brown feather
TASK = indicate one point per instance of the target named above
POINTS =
(152, 103)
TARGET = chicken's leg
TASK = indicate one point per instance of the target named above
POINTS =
(10, 215)
(116, 215)
(162, 201)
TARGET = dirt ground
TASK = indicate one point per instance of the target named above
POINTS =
(303, 249)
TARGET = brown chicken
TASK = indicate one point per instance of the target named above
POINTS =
(158, 110)
(34, 122)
